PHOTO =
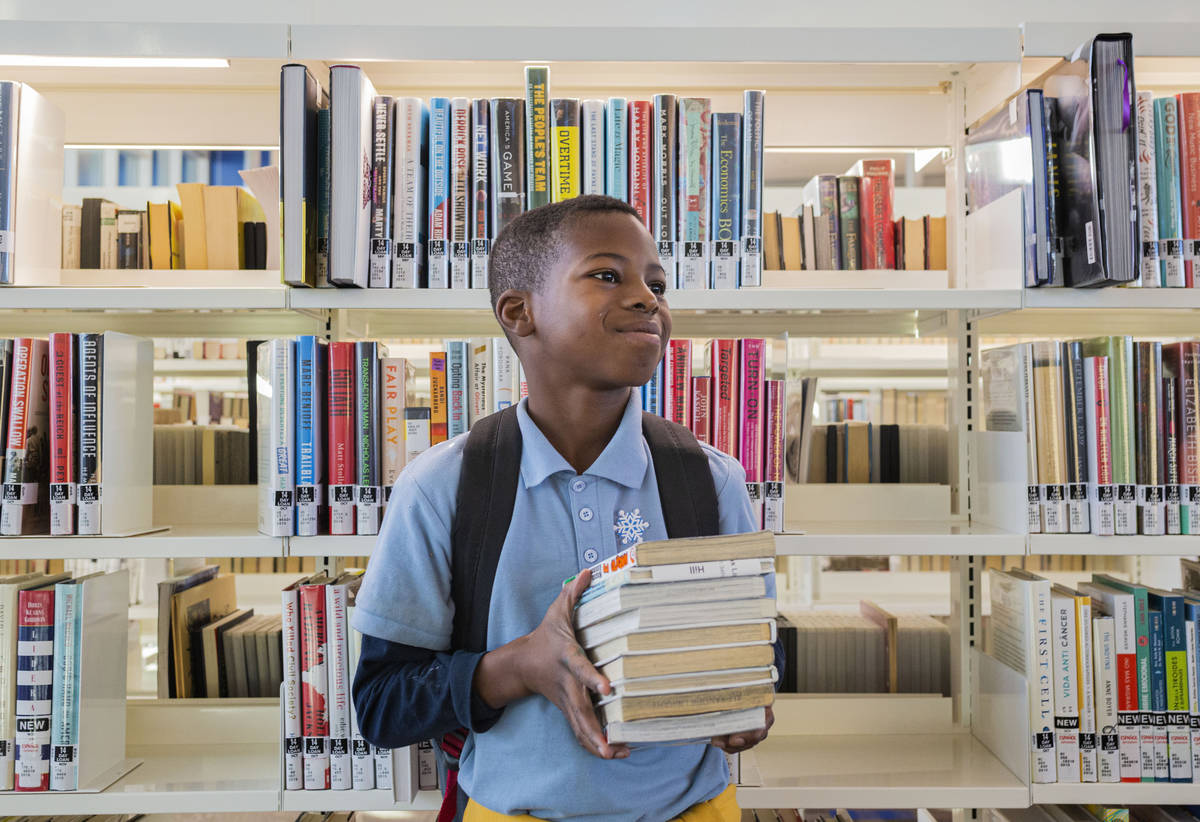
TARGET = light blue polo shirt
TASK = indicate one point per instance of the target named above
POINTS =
(529, 761)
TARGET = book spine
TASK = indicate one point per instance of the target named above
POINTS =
(343, 453)
(64, 713)
(394, 372)
(24, 508)
(416, 432)
(314, 687)
(1148, 425)
(437, 398)
(9, 98)
(1179, 741)
(1033, 488)
(564, 131)
(63, 409)
(1050, 426)
(1054, 240)
(276, 438)
(850, 230)
(678, 392)
(1189, 180)
(109, 237)
(876, 195)
(1100, 487)
(1042, 688)
(369, 495)
(337, 651)
(35, 688)
(591, 133)
(701, 414)
(1158, 699)
(1088, 770)
(129, 226)
(1150, 272)
(1128, 717)
(830, 207)
(641, 115)
(1141, 616)
(773, 456)
(652, 392)
(1170, 434)
(694, 202)
(723, 357)
(1066, 701)
(751, 369)
(481, 383)
(324, 182)
(504, 375)
(383, 767)
(293, 738)
(481, 153)
(298, 104)
(460, 183)
(616, 149)
(410, 125)
(311, 366)
(1075, 417)
(379, 271)
(752, 187)
(726, 198)
(72, 221)
(362, 761)
(537, 136)
(1170, 217)
(1192, 639)
(89, 463)
(663, 173)
(438, 249)
(508, 163)
(1189, 436)
(1105, 684)
(427, 777)
(1124, 439)
(456, 387)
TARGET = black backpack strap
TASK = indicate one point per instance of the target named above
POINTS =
(487, 491)
(685, 483)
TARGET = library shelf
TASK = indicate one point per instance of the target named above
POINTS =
(1116, 793)
(376, 800)
(137, 298)
(897, 538)
(1112, 298)
(199, 368)
(223, 540)
(63, 38)
(1093, 545)
(1153, 39)
(328, 545)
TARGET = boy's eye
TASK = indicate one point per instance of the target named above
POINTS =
(659, 288)
(608, 275)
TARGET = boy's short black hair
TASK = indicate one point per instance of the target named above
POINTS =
(522, 253)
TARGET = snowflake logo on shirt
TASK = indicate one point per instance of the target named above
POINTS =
(630, 526)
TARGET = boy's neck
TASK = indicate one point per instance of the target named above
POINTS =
(579, 423)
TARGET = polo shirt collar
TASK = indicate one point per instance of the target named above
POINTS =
(623, 460)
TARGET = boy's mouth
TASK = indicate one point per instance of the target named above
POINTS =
(649, 330)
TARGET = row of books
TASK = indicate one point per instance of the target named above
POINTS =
(1082, 146)
(201, 455)
(392, 192)
(886, 406)
(219, 227)
(51, 398)
(1039, 564)
(1102, 813)
(47, 670)
(1111, 432)
(275, 565)
(856, 452)
(872, 651)
(735, 408)
(195, 348)
(682, 629)
(203, 407)
(1112, 672)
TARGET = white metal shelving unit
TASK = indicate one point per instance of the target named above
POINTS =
(923, 83)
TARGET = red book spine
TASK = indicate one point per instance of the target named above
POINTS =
(1189, 178)
(1189, 412)
(876, 194)
(34, 689)
(18, 402)
(750, 407)
(640, 124)
(701, 420)
(1127, 703)
(723, 408)
(679, 382)
(773, 431)
(314, 687)
(62, 433)
(1103, 449)
(342, 450)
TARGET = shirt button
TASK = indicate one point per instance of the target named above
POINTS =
(578, 485)
(586, 514)
(590, 555)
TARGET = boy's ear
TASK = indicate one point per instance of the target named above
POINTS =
(515, 312)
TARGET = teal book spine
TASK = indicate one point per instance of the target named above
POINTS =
(616, 150)
(64, 713)
(1141, 625)
(1170, 214)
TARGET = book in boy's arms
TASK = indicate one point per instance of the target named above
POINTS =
(716, 569)
(692, 683)
(686, 661)
(629, 708)
(689, 615)
(696, 726)
(687, 550)
(627, 598)
(679, 639)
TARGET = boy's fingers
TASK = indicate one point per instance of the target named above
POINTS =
(584, 723)
(585, 672)
(575, 590)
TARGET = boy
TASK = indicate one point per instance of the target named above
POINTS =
(578, 288)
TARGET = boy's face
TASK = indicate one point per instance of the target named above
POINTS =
(601, 312)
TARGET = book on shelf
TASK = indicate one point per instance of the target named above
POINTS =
(1188, 104)
(31, 179)
(753, 111)
(25, 507)
(276, 437)
(459, 183)
(368, 494)
(537, 136)
(480, 213)
(664, 173)
(351, 99)
(564, 143)
(410, 157)
(641, 127)
(616, 148)
(693, 203)
(438, 200)
(379, 264)
(726, 224)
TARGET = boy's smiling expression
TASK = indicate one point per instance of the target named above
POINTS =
(600, 312)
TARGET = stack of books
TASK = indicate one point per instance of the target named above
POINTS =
(683, 630)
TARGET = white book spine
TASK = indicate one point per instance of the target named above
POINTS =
(336, 646)
(383, 767)
(416, 433)
(293, 737)
(1104, 662)
(591, 132)
(504, 374)
(72, 223)
(1041, 687)
(481, 400)
(460, 170)
(408, 210)
(64, 715)
(1193, 658)
(427, 775)
(1066, 698)
(1087, 696)
(1149, 275)
(8, 685)
(276, 437)
(362, 761)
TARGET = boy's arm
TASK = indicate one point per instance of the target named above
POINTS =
(404, 694)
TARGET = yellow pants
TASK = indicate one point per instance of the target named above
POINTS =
(721, 808)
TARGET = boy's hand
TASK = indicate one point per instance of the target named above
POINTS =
(744, 740)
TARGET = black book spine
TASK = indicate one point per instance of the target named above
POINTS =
(383, 117)
(832, 453)
(260, 246)
(252, 409)
(507, 181)
(249, 253)
(89, 461)
(89, 234)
